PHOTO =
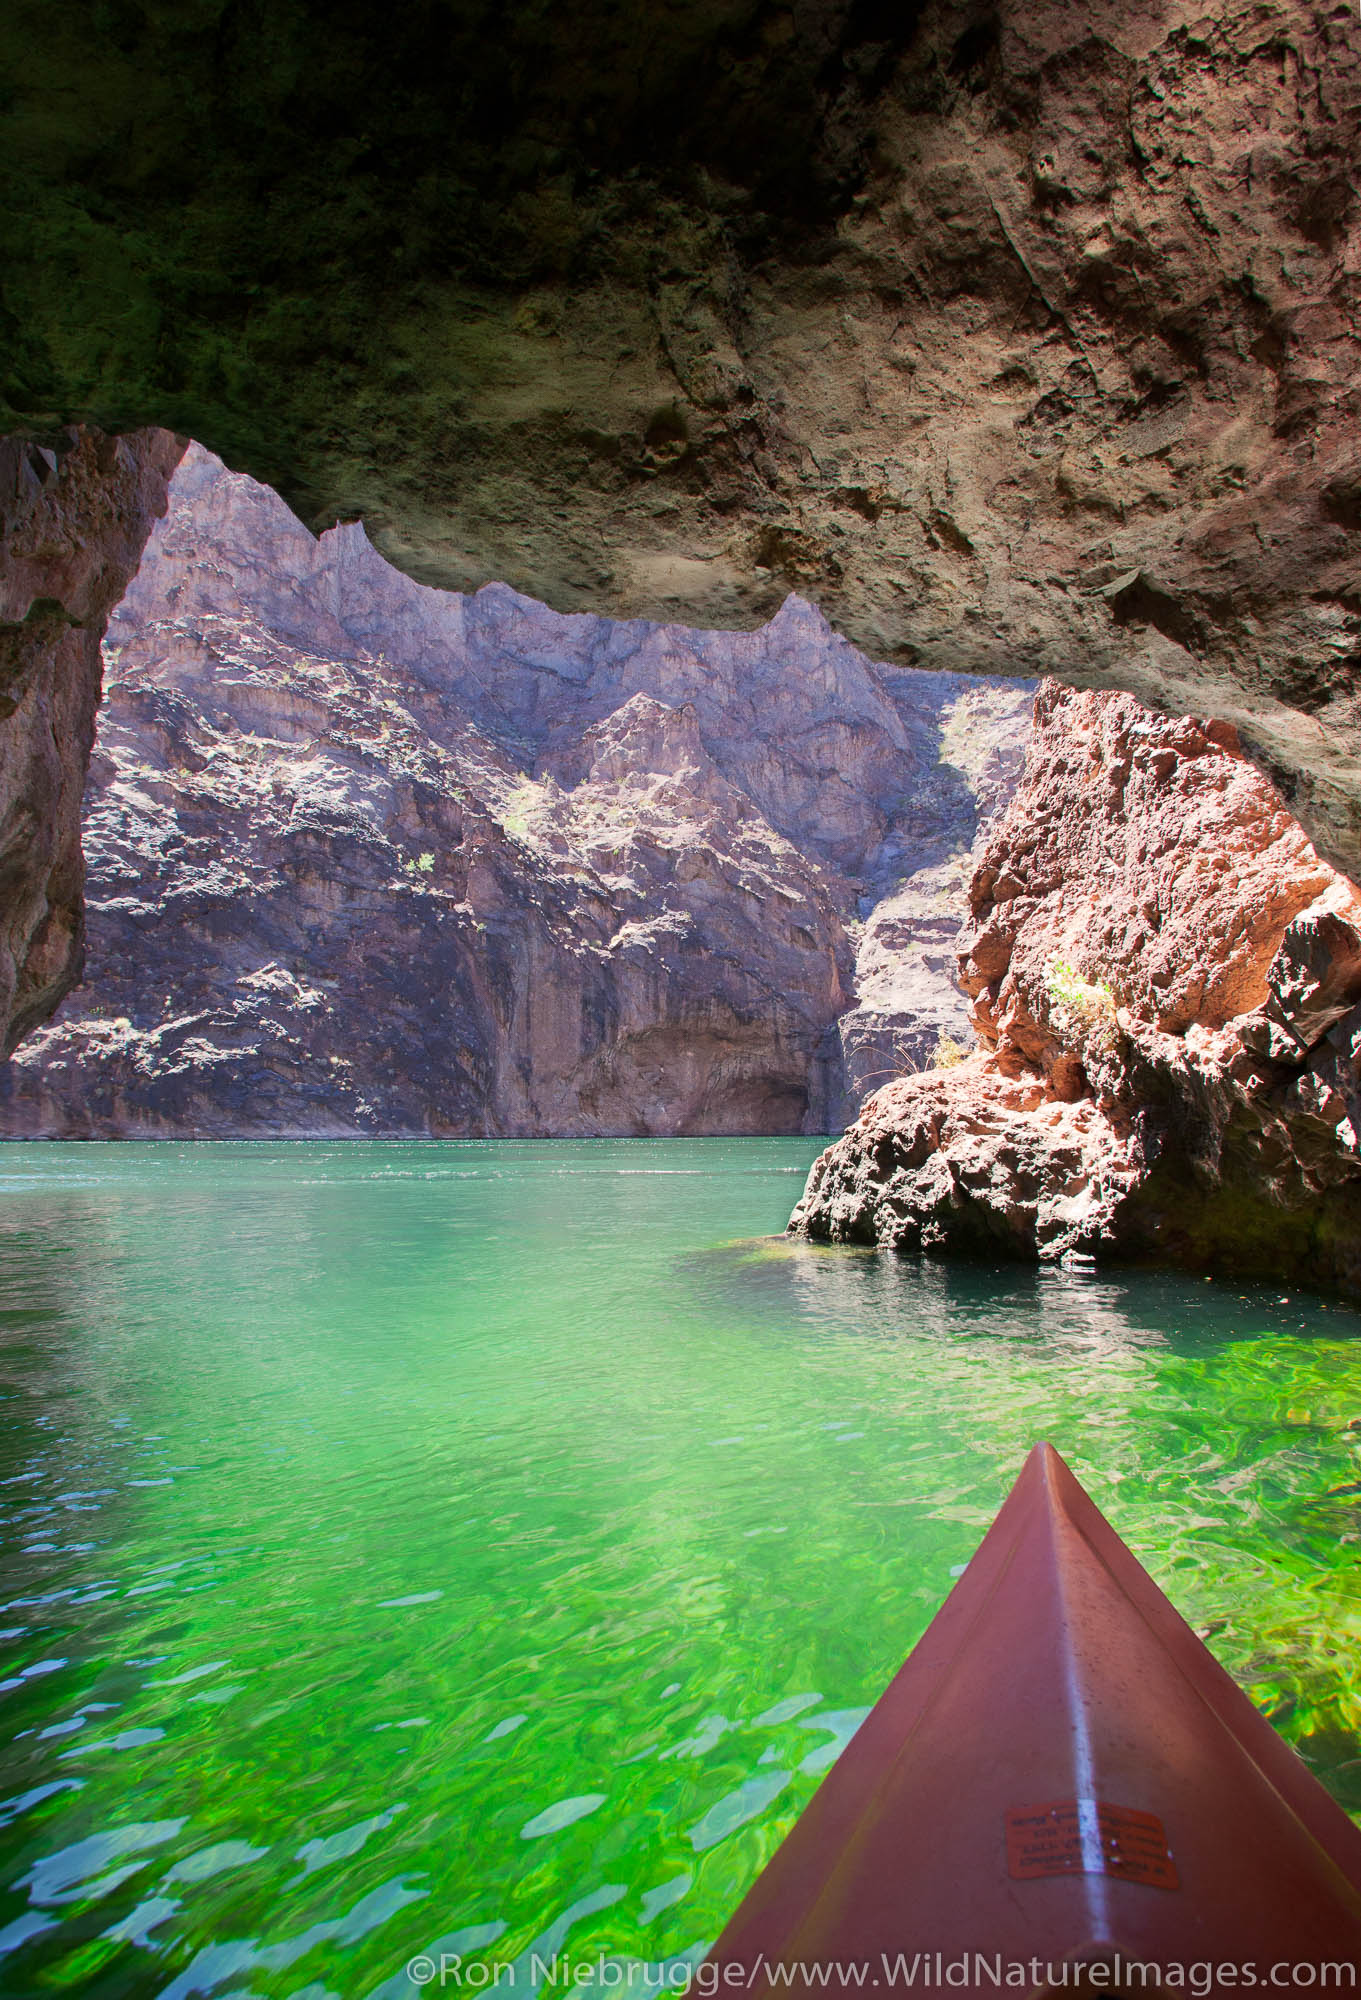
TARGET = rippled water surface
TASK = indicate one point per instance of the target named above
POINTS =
(486, 1546)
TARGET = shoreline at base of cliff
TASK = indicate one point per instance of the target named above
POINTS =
(1165, 977)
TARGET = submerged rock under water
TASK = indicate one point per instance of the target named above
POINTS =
(401, 1496)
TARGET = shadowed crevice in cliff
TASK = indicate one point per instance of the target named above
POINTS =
(1165, 979)
(368, 857)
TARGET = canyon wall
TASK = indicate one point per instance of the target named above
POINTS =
(369, 857)
(1019, 336)
(1165, 978)
(73, 521)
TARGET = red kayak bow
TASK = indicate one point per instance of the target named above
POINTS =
(1061, 1784)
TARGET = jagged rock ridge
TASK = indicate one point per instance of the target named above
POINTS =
(370, 857)
(1165, 979)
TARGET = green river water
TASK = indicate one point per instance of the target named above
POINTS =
(486, 1546)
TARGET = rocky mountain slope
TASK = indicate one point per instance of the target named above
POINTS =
(73, 522)
(1017, 336)
(369, 857)
(1165, 979)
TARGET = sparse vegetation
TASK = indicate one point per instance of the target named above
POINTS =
(522, 806)
(949, 1053)
(1081, 1008)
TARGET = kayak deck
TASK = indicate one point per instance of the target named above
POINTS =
(1060, 1773)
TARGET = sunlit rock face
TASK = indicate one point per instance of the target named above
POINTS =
(1019, 337)
(370, 857)
(73, 521)
(1165, 979)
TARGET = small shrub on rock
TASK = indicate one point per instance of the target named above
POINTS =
(1082, 1010)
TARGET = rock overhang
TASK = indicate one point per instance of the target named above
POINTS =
(1019, 338)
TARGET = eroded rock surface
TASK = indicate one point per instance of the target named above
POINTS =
(1165, 977)
(370, 857)
(73, 522)
(1018, 336)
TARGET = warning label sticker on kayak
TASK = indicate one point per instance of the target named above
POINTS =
(1089, 1837)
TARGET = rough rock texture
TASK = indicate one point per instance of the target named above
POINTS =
(1019, 336)
(368, 857)
(1165, 978)
(73, 522)
(909, 1003)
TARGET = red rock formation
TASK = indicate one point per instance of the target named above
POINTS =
(1164, 977)
(73, 524)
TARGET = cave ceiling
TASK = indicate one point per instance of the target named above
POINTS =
(1021, 338)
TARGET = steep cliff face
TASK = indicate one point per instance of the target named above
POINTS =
(1020, 336)
(1165, 978)
(73, 522)
(369, 857)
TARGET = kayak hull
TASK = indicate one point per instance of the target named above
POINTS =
(1061, 1775)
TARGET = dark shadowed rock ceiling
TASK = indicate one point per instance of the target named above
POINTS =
(1020, 338)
